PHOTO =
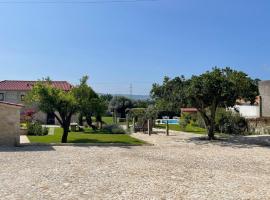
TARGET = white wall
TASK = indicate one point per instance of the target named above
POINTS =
(248, 111)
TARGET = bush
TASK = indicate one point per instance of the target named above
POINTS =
(113, 129)
(230, 123)
(36, 129)
(188, 118)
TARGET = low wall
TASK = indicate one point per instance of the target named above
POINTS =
(9, 125)
(248, 111)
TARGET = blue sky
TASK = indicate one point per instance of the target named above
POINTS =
(121, 43)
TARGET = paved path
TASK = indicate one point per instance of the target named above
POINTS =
(178, 167)
(24, 139)
(51, 131)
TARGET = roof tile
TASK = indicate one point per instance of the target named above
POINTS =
(27, 85)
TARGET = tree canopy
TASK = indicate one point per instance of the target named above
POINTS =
(212, 89)
(170, 95)
(62, 104)
(119, 104)
(90, 104)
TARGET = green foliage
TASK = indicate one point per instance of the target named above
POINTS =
(137, 112)
(36, 129)
(143, 114)
(52, 100)
(188, 128)
(188, 118)
(170, 95)
(80, 137)
(219, 87)
(206, 92)
(106, 97)
(120, 104)
(230, 122)
(90, 104)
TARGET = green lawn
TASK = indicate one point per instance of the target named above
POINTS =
(189, 128)
(108, 120)
(80, 137)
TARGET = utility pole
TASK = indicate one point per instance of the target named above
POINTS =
(131, 90)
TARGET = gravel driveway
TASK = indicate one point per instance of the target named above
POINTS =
(177, 167)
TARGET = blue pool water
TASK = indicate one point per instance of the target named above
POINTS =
(170, 121)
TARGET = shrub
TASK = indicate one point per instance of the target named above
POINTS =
(113, 129)
(36, 129)
(230, 123)
(186, 119)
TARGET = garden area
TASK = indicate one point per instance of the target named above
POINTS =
(88, 136)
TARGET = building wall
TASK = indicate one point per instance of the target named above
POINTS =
(264, 89)
(13, 96)
(9, 125)
(248, 111)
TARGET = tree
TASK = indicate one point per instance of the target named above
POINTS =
(170, 95)
(106, 97)
(219, 88)
(89, 102)
(119, 104)
(62, 104)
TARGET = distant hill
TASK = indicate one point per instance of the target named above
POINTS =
(134, 97)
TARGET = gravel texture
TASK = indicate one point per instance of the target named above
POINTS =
(177, 167)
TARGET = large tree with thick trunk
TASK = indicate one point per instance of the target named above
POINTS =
(219, 88)
(206, 92)
(62, 104)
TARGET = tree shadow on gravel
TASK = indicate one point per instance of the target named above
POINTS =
(25, 148)
(234, 141)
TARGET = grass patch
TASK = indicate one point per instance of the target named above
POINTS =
(189, 128)
(108, 120)
(89, 137)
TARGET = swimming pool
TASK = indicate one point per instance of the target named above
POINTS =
(170, 121)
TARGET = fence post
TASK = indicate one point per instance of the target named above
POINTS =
(149, 127)
(167, 128)
(127, 121)
(134, 129)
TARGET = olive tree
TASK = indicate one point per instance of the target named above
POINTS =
(90, 104)
(219, 88)
(62, 104)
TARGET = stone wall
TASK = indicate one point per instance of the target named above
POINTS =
(260, 126)
(264, 88)
(9, 125)
(13, 96)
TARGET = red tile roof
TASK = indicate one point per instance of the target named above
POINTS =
(27, 85)
(189, 110)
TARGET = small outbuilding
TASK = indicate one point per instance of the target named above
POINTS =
(9, 124)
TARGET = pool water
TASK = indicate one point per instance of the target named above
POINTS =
(170, 121)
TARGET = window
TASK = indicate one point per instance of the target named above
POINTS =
(1, 96)
(22, 97)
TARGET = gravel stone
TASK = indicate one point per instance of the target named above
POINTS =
(177, 167)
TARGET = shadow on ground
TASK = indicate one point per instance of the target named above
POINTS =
(24, 148)
(234, 141)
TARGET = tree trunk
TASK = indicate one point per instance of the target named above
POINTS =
(80, 119)
(211, 131)
(89, 122)
(65, 134)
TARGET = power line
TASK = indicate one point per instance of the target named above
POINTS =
(75, 2)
